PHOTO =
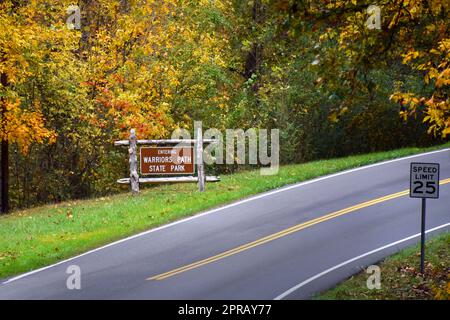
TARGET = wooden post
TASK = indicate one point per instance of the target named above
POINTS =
(200, 165)
(134, 177)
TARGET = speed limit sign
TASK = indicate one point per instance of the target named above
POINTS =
(424, 180)
(424, 183)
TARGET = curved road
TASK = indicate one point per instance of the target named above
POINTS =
(285, 244)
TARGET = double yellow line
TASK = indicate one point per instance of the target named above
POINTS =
(281, 234)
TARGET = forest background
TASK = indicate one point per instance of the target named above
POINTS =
(313, 69)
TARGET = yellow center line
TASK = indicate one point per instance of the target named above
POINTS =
(282, 233)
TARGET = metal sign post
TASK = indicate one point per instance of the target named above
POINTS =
(424, 183)
(422, 236)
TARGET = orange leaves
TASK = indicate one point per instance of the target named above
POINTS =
(24, 127)
(132, 67)
(33, 44)
(443, 78)
(143, 61)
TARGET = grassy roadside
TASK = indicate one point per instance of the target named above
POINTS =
(37, 237)
(401, 278)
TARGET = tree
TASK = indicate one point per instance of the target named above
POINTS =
(154, 61)
(414, 32)
(28, 45)
(149, 65)
(325, 76)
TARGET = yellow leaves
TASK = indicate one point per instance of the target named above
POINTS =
(442, 292)
(408, 102)
(24, 127)
(328, 35)
(414, 7)
(27, 43)
(438, 115)
(411, 55)
(437, 112)
(443, 79)
(335, 115)
(430, 28)
(435, 62)
(134, 66)
(437, 5)
(396, 97)
(446, 131)
(174, 82)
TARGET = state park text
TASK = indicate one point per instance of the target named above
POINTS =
(166, 160)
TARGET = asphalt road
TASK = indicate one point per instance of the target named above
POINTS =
(285, 244)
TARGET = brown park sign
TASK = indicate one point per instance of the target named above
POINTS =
(167, 160)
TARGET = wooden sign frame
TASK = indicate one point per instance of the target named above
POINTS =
(134, 180)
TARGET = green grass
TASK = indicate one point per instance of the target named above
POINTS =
(400, 276)
(37, 237)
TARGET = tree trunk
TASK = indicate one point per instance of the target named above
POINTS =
(5, 154)
(5, 176)
(255, 56)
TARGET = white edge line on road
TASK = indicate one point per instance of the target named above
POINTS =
(307, 281)
(266, 194)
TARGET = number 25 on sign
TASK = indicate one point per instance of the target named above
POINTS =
(424, 180)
